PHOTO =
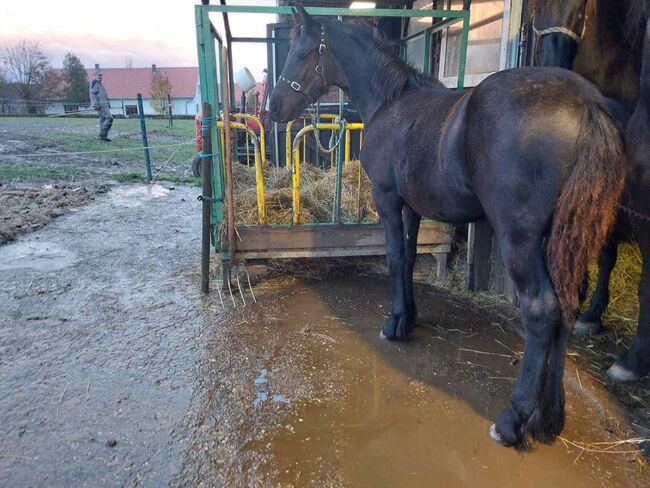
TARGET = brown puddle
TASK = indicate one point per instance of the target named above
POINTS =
(395, 414)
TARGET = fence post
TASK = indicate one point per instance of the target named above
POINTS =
(169, 106)
(206, 175)
(145, 142)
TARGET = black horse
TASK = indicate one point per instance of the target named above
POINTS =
(636, 362)
(609, 53)
(532, 150)
(598, 39)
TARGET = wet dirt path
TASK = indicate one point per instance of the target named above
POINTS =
(115, 372)
(100, 331)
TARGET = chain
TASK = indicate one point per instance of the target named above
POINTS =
(634, 213)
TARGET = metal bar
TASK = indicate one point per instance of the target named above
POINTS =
(463, 51)
(169, 107)
(261, 130)
(347, 145)
(264, 40)
(206, 171)
(426, 65)
(205, 39)
(259, 174)
(228, 159)
(443, 24)
(338, 179)
(296, 164)
(346, 12)
(145, 142)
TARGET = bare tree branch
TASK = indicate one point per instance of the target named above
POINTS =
(25, 65)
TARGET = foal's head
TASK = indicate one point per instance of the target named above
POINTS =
(558, 28)
(308, 72)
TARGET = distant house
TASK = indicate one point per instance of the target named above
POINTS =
(124, 84)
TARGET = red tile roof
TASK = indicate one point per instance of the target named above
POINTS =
(128, 82)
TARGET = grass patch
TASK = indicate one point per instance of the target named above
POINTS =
(81, 135)
(25, 172)
(135, 177)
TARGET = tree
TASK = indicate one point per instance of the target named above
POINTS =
(52, 87)
(159, 90)
(128, 61)
(76, 80)
(26, 65)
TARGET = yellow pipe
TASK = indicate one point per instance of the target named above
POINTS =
(347, 146)
(287, 143)
(248, 152)
(296, 164)
(260, 129)
(304, 143)
(259, 175)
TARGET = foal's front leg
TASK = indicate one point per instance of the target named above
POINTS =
(389, 207)
(411, 222)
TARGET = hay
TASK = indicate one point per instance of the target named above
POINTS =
(623, 311)
(317, 195)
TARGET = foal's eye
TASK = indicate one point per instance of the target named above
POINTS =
(303, 56)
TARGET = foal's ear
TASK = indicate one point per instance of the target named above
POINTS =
(300, 15)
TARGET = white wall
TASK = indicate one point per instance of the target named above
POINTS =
(180, 106)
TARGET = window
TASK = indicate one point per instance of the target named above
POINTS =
(130, 110)
(487, 46)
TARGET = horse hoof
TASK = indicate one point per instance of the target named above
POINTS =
(618, 373)
(587, 328)
(496, 437)
(382, 336)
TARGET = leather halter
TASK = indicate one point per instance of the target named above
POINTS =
(319, 77)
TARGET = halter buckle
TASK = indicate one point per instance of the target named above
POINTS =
(295, 85)
(321, 48)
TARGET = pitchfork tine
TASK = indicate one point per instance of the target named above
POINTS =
(248, 277)
(241, 293)
(223, 305)
(234, 304)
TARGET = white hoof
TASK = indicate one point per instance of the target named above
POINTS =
(587, 328)
(382, 336)
(620, 374)
(496, 437)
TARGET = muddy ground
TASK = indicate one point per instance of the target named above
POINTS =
(26, 208)
(115, 371)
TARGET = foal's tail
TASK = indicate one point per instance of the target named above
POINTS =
(586, 210)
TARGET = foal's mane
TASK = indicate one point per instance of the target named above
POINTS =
(390, 75)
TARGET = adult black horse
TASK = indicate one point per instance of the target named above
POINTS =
(532, 150)
(608, 51)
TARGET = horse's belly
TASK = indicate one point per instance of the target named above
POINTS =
(437, 198)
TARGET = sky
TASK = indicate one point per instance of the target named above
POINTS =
(107, 32)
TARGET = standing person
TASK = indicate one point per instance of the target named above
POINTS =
(99, 101)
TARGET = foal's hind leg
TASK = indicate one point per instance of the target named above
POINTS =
(411, 222)
(540, 314)
(389, 207)
(589, 321)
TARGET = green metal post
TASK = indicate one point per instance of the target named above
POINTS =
(145, 141)
(209, 93)
(207, 122)
(426, 65)
(463, 51)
